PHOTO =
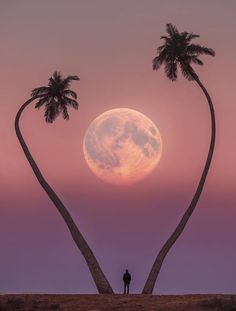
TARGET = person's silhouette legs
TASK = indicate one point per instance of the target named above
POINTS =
(126, 288)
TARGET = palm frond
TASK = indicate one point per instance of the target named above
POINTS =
(196, 60)
(172, 30)
(52, 83)
(68, 79)
(65, 113)
(171, 70)
(158, 60)
(55, 80)
(187, 71)
(198, 50)
(42, 101)
(161, 47)
(51, 112)
(191, 36)
(73, 103)
(43, 90)
(71, 93)
(156, 63)
(57, 77)
(167, 39)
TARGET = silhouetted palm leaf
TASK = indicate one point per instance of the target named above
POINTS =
(71, 93)
(172, 30)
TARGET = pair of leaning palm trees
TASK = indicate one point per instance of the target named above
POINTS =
(177, 50)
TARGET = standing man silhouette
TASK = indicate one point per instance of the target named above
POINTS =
(127, 280)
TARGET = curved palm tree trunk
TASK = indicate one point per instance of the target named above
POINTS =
(151, 280)
(99, 278)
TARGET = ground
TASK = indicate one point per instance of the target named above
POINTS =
(118, 302)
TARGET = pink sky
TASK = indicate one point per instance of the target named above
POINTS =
(110, 45)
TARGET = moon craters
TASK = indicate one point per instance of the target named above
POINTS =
(122, 146)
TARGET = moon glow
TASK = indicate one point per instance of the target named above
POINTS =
(122, 146)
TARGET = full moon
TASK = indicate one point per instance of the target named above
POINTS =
(122, 146)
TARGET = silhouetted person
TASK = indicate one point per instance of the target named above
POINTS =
(127, 280)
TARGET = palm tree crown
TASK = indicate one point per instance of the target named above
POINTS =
(56, 97)
(178, 50)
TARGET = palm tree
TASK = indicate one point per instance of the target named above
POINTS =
(178, 50)
(57, 97)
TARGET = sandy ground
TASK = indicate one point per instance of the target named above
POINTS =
(118, 302)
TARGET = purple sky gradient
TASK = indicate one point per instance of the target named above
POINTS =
(110, 44)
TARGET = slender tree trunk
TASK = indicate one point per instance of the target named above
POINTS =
(99, 278)
(151, 280)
